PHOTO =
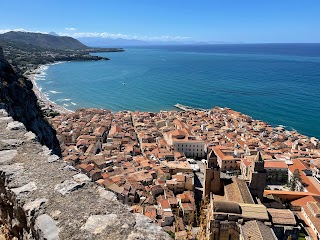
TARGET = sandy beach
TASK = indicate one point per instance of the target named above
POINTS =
(44, 101)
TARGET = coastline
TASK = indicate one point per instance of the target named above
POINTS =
(45, 102)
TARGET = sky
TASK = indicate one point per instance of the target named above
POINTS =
(232, 21)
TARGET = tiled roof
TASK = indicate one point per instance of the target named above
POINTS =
(304, 200)
(238, 191)
(282, 216)
(315, 221)
(301, 165)
(256, 230)
(254, 211)
(275, 164)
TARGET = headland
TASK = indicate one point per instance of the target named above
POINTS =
(199, 174)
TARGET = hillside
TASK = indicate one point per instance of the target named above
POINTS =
(26, 51)
(44, 40)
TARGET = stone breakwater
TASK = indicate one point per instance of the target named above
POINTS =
(44, 198)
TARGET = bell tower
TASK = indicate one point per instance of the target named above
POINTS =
(258, 177)
(212, 182)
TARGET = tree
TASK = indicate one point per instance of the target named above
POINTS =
(294, 180)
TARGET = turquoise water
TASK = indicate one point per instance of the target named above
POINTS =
(279, 84)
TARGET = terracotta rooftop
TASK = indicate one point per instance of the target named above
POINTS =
(309, 184)
(257, 230)
(238, 191)
(304, 200)
(282, 216)
(254, 211)
(315, 221)
(275, 165)
(164, 204)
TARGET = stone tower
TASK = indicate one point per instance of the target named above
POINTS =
(212, 182)
(258, 177)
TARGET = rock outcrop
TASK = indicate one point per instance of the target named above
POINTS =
(1, 54)
(17, 97)
(43, 198)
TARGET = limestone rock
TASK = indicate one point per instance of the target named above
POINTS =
(6, 156)
(12, 142)
(144, 227)
(46, 151)
(3, 112)
(55, 214)
(6, 119)
(110, 196)
(53, 158)
(12, 169)
(30, 136)
(69, 168)
(34, 205)
(81, 178)
(31, 186)
(97, 223)
(47, 227)
(16, 126)
(67, 186)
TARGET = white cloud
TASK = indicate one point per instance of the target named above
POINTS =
(19, 30)
(124, 36)
(71, 32)
(70, 29)
(15, 30)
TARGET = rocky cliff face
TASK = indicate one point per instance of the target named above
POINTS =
(1, 54)
(43, 198)
(17, 97)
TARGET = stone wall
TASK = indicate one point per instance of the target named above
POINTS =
(43, 198)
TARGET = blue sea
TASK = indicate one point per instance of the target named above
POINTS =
(277, 83)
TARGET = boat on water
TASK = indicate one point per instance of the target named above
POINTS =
(187, 108)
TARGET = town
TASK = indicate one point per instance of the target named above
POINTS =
(200, 174)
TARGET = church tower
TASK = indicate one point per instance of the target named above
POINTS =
(212, 182)
(258, 177)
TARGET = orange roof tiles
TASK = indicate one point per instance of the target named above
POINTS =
(304, 200)
(275, 164)
(164, 204)
(309, 185)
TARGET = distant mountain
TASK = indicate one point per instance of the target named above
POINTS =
(120, 42)
(110, 42)
(53, 34)
(44, 40)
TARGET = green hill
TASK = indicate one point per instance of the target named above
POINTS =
(44, 40)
